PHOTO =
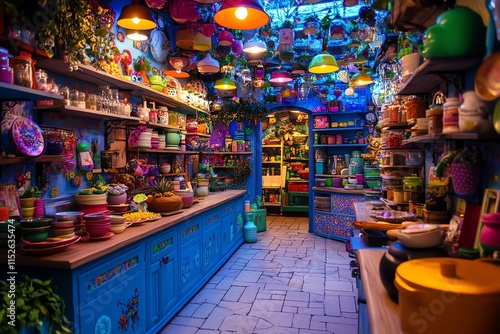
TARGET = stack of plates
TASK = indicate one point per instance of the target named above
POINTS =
(155, 141)
(162, 142)
(145, 139)
(420, 128)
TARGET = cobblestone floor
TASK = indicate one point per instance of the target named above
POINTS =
(289, 282)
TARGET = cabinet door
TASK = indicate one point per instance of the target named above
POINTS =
(211, 240)
(121, 309)
(333, 226)
(190, 258)
(162, 276)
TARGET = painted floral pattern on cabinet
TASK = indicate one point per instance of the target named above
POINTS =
(111, 273)
(186, 266)
(212, 248)
(130, 312)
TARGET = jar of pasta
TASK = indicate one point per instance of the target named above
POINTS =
(415, 108)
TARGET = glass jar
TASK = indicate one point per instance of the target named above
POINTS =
(73, 97)
(357, 163)
(81, 99)
(415, 108)
(412, 184)
(6, 72)
(41, 79)
(23, 75)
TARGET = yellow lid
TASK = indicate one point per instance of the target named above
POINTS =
(450, 275)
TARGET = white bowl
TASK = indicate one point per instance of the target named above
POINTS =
(422, 236)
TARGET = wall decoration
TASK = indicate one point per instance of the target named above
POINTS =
(130, 312)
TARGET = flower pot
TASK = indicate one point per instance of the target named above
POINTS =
(285, 36)
(117, 199)
(173, 137)
(164, 204)
(311, 28)
(490, 233)
(202, 190)
(466, 178)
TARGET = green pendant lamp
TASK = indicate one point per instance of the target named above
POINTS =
(225, 84)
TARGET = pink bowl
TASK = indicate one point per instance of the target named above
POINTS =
(98, 222)
(98, 230)
(92, 208)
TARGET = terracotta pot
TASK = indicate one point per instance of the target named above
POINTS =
(164, 204)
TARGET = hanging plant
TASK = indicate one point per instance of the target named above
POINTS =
(142, 63)
(248, 110)
(81, 28)
(242, 171)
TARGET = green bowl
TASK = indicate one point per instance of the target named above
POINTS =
(36, 222)
(157, 87)
(36, 234)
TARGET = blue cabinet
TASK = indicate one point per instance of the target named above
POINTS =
(190, 256)
(162, 276)
(211, 240)
(232, 226)
(112, 295)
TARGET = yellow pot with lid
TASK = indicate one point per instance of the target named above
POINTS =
(447, 295)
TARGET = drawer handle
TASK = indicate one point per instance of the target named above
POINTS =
(164, 261)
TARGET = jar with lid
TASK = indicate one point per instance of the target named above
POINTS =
(41, 79)
(450, 115)
(356, 163)
(340, 164)
(6, 72)
(23, 72)
(413, 189)
(435, 116)
(415, 108)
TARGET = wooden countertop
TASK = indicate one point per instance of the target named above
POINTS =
(86, 251)
(382, 311)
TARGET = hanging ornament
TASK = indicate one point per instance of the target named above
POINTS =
(183, 11)
(207, 29)
(156, 4)
(237, 47)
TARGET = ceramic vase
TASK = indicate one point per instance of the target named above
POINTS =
(250, 230)
(490, 233)
(202, 189)
(117, 199)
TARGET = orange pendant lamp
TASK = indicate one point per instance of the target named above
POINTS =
(241, 15)
(136, 17)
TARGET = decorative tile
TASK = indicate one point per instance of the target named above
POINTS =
(112, 273)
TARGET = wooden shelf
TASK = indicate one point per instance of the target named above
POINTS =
(271, 162)
(341, 190)
(25, 160)
(10, 92)
(352, 128)
(332, 176)
(271, 187)
(396, 126)
(340, 145)
(271, 204)
(197, 134)
(227, 153)
(271, 146)
(100, 78)
(339, 113)
(160, 150)
(430, 74)
(82, 112)
(430, 138)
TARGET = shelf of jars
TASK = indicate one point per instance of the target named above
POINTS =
(100, 78)
(339, 129)
(25, 160)
(83, 112)
(10, 92)
(435, 137)
(430, 74)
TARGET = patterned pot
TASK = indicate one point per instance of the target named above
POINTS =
(466, 178)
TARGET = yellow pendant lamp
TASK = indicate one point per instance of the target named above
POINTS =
(136, 17)
(241, 14)
(324, 62)
(361, 79)
(225, 84)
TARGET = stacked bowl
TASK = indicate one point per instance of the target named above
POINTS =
(64, 229)
(36, 230)
(76, 217)
(94, 203)
(118, 224)
(27, 207)
(97, 224)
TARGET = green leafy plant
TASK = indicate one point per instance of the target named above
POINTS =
(287, 24)
(242, 171)
(142, 63)
(77, 28)
(35, 301)
(248, 110)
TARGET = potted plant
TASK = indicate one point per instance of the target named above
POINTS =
(240, 111)
(143, 66)
(311, 25)
(163, 198)
(37, 307)
(242, 171)
(285, 34)
(466, 172)
(437, 190)
(117, 194)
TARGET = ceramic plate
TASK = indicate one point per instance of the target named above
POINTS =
(27, 137)
(487, 80)
(50, 242)
(48, 250)
(104, 237)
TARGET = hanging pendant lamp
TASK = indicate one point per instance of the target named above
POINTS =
(324, 62)
(241, 14)
(361, 79)
(225, 84)
(255, 45)
(136, 17)
(208, 65)
(137, 35)
(280, 77)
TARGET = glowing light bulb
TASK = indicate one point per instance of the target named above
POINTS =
(225, 86)
(136, 20)
(241, 13)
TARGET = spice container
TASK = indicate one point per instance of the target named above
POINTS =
(450, 115)
(413, 189)
(415, 108)
(435, 117)
(23, 74)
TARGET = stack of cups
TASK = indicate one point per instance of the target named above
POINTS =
(39, 210)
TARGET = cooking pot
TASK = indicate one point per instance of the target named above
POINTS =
(397, 254)
(422, 236)
(448, 295)
(458, 32)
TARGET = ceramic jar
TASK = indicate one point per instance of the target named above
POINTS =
(173, 137)
(357, 163)
(490, 233)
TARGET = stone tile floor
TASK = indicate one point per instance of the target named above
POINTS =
(289, 282)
